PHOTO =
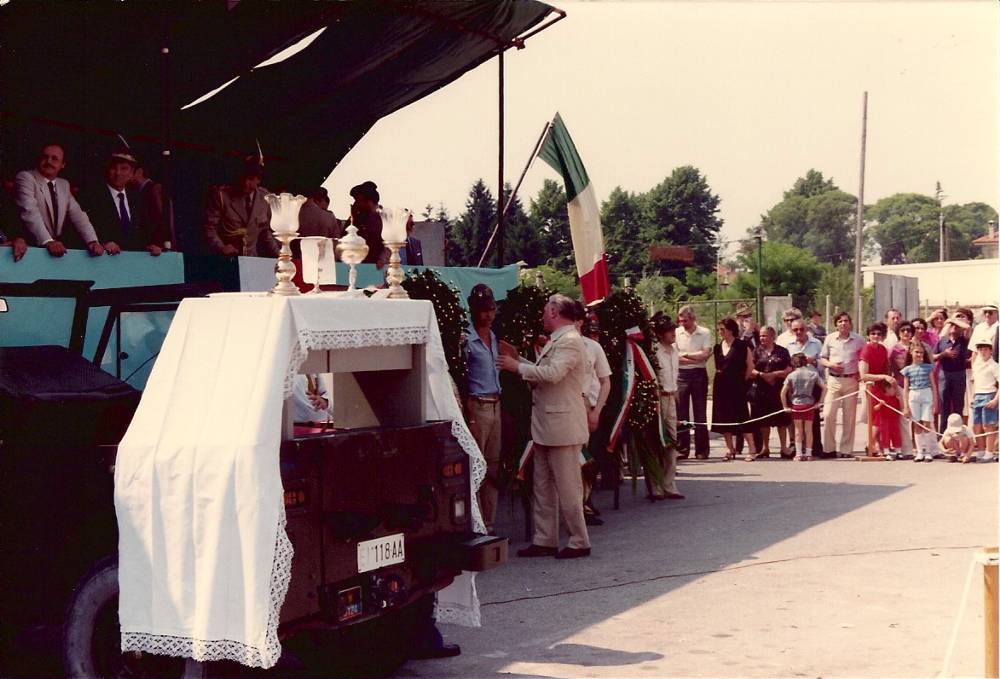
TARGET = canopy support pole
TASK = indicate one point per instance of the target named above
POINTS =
(510, 199)
(500, 143)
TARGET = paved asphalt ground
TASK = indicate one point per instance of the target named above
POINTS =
(767, 569)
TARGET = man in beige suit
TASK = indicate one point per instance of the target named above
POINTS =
(559, 379)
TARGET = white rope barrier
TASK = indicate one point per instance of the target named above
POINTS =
(818, 406)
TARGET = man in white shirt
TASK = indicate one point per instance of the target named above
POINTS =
(596, 394)
(840, 357)
(892, 320)
(787, 336)
(985, 331)
(694, 346)
(667, 357)
(45, 204)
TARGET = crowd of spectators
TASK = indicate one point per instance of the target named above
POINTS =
(913, 378)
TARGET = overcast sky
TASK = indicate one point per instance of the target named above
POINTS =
(752, 94)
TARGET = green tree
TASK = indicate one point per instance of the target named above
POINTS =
(554, 279)
(816, 215)
(522, 240)
(550, 218)
(621, 218)
(907, 228)
(787, 270)
(966, 223)
(660, 293)
(468, 234)
(700, 284)
(838, 282)
(682, 210)
(813, 184)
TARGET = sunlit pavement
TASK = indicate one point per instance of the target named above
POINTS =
(770, 568)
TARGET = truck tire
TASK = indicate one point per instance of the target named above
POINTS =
(92, 638)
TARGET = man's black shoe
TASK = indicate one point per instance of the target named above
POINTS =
(674, 496)
(592, 520)
(573, 552)
(537, 550)
(442, 651)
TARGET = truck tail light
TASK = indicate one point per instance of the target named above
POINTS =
(458, 508)
(452, 469)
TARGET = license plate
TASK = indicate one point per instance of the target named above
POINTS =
(380, 552)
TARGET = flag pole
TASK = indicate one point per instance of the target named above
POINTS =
(510, 200)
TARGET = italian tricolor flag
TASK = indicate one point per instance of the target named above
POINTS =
(584, 219)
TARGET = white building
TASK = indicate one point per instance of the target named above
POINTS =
(971, 283)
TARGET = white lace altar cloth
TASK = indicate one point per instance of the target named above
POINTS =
(204, 561)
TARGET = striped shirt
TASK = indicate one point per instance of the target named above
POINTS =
(919, 375)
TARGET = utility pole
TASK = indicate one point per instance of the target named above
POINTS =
(718, 272)
(860, 224)
(942, 235)
(760, 274)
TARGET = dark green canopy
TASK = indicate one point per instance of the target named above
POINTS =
(82, 72)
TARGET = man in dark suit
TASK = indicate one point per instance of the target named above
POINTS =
(412, 254)
(114, 210)
(364, 215)
(238, 219)
(155, 213)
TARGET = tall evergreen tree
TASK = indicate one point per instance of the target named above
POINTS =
(550, 218)
(682, 210)
(621, 217)
(522, 240)
(468, 234)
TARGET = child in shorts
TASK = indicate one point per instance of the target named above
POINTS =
(797, 398)
(920, 400)
(984, 399)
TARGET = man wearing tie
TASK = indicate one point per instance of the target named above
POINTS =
(114, 210)
(45, 204)
(559, 380)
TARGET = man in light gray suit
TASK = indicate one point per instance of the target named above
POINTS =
(45, 204)
(315, 218)
(559, 379)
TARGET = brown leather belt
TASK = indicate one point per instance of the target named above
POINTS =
(849, 375)
(486, 398)
(667, 393)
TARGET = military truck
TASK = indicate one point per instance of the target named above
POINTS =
(378, 509)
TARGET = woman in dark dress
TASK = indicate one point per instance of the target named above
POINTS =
(770, 367)
(733, 364)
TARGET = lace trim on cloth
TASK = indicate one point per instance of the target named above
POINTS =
(309, 340)
(225, 649)
(457, 613)
(477, 471)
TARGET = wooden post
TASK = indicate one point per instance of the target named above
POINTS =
(991, 622)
